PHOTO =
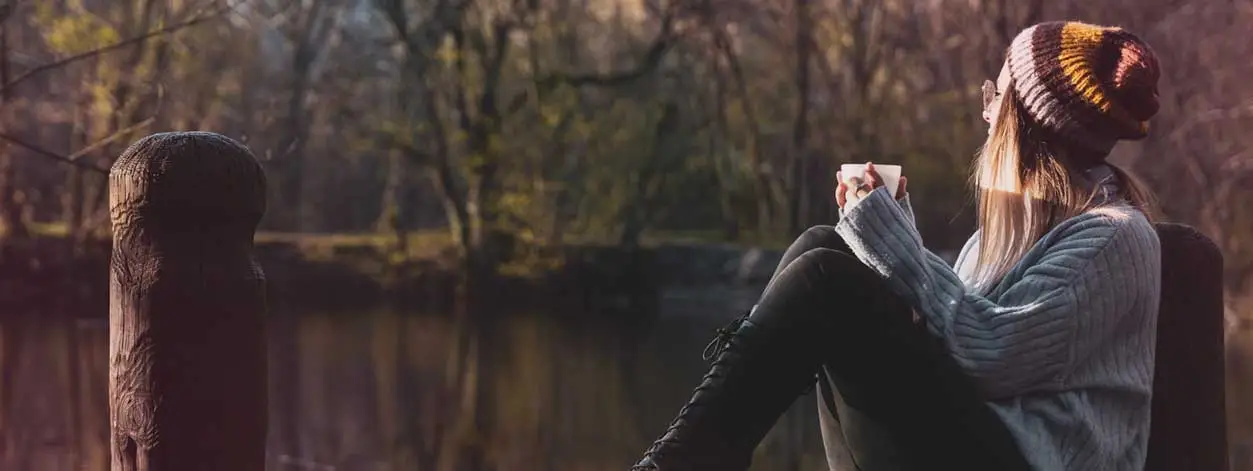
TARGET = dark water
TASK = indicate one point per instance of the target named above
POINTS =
(385, 389)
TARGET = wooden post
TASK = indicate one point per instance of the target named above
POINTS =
(187, 359)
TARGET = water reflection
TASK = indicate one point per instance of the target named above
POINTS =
(383, 389)
(389, 390)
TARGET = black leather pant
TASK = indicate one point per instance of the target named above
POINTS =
(890, 396)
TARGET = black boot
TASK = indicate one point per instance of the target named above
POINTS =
(758, 371)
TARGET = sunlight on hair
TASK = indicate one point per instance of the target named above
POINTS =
(995, 175)
(1025, 188)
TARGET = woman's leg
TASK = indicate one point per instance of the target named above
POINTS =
(816, 237)
(851, 440)
(899, 399)
(827, 309)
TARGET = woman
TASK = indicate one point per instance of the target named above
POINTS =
(1034, 353)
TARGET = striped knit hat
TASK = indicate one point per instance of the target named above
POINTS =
(1091, 84)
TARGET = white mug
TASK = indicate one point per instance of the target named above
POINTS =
(891, 174)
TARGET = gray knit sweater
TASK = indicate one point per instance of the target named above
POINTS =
(1062, 347)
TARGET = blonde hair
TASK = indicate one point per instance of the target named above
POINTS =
(1027, 184)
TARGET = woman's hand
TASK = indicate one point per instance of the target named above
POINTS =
(850, 192)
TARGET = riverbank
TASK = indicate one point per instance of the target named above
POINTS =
(622, 290)
(50, 274)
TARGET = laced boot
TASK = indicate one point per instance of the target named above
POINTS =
(757, 372)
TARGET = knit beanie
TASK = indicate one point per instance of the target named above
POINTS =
(1093, 85)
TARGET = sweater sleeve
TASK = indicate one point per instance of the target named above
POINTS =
(1022, 342)
(905, 206)
(908, 208)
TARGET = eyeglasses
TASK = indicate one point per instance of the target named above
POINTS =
(989, 93)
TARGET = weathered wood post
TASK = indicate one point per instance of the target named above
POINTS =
(187, 359)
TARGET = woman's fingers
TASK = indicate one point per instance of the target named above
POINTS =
(863, 185)
(840, 189)
(872, 176)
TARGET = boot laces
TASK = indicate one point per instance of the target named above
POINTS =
(724, 340)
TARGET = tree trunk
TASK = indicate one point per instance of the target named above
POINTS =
(389, 220)
(800, 126)
(11, 223)
(291, 149)
(764, 188)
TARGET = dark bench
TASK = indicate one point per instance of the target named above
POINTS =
(1189, 429)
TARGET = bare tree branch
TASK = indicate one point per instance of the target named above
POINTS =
(649, 63)
(109, 139)
(52, 155)
(417, 156)
(74, 158)
(113, 47)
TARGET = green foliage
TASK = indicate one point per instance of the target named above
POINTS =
(77, 32)
(565, 162)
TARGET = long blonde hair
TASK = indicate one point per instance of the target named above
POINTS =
(1027, 184)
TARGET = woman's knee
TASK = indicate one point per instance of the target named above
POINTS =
(817, 237)
(832, 260)
(816, 290)
(822, 236)
(823, 269)
(831, 278)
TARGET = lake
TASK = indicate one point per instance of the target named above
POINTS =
(393, 389)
